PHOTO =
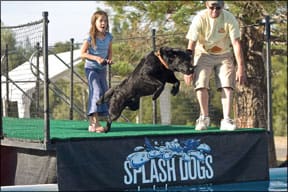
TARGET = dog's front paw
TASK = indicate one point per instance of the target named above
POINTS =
(108, 124)
(174, 90)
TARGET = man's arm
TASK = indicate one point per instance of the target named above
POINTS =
(240, 73)
(191, 46)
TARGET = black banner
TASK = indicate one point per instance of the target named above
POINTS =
(159, 161)
(26, 166)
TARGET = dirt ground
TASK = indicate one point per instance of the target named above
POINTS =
(281, 147)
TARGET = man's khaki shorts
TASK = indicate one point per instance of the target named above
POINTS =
(223, 67)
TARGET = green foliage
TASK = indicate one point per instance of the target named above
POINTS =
(124, 53)
(80, 69)
(143, 115)
(60, 47)
(147, 110)
(7, 37)
(279, 95)
(15, 59)
(59, 109)
(121, 69)
(186, 111)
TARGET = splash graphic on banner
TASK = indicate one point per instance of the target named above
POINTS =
(168, 162)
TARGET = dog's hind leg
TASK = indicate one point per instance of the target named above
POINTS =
(106, 97)
(133, 104)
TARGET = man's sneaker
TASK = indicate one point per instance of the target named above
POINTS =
(202, 123)
(227, 125)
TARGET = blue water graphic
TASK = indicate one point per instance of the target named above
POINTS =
(186, 150)
(277, 182)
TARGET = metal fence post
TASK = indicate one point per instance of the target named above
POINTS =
(37, 80)
(1, 103)
(268, 71)
(271, 146)
(6, 102)
(1, 124)
(154, 102)
(46, 80)
(109, 74)
(71, 80)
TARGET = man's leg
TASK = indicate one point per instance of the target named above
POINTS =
(203, 97)
(201, 79)
(225, 80)
(226, 100)
(203, 121)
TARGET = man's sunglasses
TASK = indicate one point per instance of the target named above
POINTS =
(217, 8)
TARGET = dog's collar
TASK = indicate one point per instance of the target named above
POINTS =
(161, 59)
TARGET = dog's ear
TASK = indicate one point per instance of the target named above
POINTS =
(166, 52)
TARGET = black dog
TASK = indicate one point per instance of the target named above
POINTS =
(148, 78)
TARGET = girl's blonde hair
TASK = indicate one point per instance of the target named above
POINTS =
(93, 29)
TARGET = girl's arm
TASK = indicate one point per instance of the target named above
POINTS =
(85, 55)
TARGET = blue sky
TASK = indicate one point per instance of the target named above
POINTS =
(67, 19)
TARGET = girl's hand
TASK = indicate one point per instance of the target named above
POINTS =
(106, 62)
(109, 61)
(102, 61)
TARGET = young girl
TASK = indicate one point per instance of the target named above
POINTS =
(97, 52)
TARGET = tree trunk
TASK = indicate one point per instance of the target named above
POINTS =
(251, 100)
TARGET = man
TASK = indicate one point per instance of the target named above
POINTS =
(212, 35)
